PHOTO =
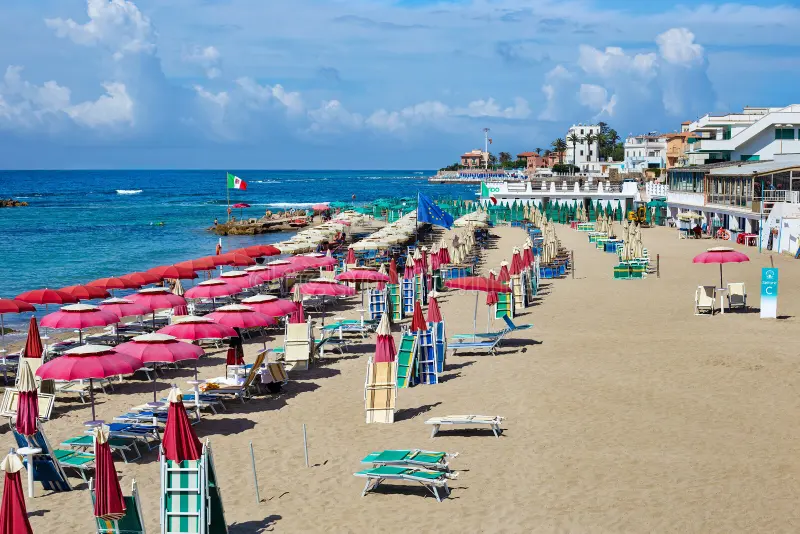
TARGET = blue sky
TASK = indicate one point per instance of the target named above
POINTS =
(367, 83)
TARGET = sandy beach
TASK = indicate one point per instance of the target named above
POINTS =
(625, 413)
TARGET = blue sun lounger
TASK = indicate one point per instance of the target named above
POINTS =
(510, 327)
(46, 468)
(488, 345)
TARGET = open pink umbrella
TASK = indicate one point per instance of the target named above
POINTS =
(241, 279)
(109, 503)
(86, 292)
(211, 289)
(240, 206)
(13, 514)
(249, 252)
(27, 403)
(232, 258)
(199, 264)
(270, 305)
(238, 316)
(114, 283)
(180, 443)
(312, 261)
(385, 348)
(434, 313)
(123, 307)
(160, 348)
(89, 362)
(477, 284)
(11, 306)
(47, 296)
(322, 206)
(157, 298)
(194, 328)
(275, 270)
(141, 278)
(173, 272)
(264, 250)
(79, 316)
(351, 256)
(362, 275)
(721, 255)
(418, 320)
(319, 286)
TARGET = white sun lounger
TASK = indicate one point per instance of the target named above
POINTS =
(469, 420)
(737, 296)
(704, 299)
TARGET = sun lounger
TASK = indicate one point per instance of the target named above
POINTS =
(737, 296)
(468, 420)
(81, 387)
(297, 346)
(206, 401)
(133, 520)
(145, 434)
(510, 327)
(243, 392)
(81, 462)
(123, 446)
(46, 468)
(704, 299)
(433, 481)
(437, 461)
(334, 343)
(488, 345)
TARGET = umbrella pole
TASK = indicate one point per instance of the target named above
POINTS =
(720, 276)
(154, 319)
(91, 397)
(80, 336)
(3, 332)
(154, 383)
(475, 318)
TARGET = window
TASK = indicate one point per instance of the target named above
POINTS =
(581, 152)
(784, 133)
(750, 157)
(581, 131)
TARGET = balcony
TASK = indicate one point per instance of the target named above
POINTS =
(686, 198)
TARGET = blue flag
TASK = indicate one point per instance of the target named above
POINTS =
(428, 212)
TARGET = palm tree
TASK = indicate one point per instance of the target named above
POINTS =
(560, 145)
(505, 157)
(574, 139)
(589, 139)
(539, 151)
(601, 144)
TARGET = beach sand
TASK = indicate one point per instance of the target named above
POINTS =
(625, 413)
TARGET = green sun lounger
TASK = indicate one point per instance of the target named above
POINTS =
(437, 461)
(123, 446)
(433, 481)
(81, 462)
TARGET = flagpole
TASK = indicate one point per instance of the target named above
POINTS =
(228, 193)
(416, 220)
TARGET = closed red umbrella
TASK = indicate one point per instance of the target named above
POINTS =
(79, 316)
(86, 292)
(27, 402)
(393, 272)
(491, 296)
(11, 306)
(504, 275)
(434, 313)
(516, 262)
(109, 503)
(527, 255)
(141, 278)
(270, 305)
(239, 260)
(444, 255)
(159, 348)
(89, 362)
(212, 289)
(721, 255)
(435, 262)
(114, 283)
(180, 443)
(194, 328)
(418, 320)
(173, 272)
(385, 349)
(33, 344)
(13, 514)
(408, 272)
(299, 316)
(47, 296)
(238, 316)
(351, 256)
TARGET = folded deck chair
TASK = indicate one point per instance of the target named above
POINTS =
(469, 420)
(46, 468)
(297, 346)
(433, 481)
(243, 392)
(123, 446)
(704, 298)
(380, 391)
(436, 461)
(488, 345)
(133, 520)
(737, 296)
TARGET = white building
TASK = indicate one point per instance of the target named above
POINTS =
(644, 152)
(584, 155)
(755, 134)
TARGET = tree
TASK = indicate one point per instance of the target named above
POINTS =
(492, 159)
(603, 127)
(505, 157)
(618, 152)
(547, 153)
(539, 151)
(574, 139)
(590, 138)
(560, 145)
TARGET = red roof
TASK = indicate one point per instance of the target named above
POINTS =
(472, 155)
(528, 155)
(685, 123)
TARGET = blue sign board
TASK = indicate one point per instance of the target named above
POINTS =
(769, 292)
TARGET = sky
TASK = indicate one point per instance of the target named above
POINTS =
(367, 84)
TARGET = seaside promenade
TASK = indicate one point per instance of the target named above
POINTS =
(625, 413)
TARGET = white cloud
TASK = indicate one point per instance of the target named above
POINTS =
(677, 46)
(113, 108)
(220, 99)
(115, 24)
(490, 108)
(614, 61)
(206, 57)
(332, 116)
(259, 96)
(593, 96)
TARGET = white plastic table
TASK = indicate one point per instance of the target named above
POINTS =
(722, 291)
(28, 452)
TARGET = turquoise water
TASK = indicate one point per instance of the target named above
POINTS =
(83, 225)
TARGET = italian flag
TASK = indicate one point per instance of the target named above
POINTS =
(234, 182)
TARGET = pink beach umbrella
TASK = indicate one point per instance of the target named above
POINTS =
(114, 283)
(157, 298)
(504, 275)
(408, 272)
(13, 514)
(11, 306)
(160, 348)
(491, 296)
(299, 316)
(721, 255)
(47, 296)
(213, 288)
(312, 261)
(79, 316)
(477, 284)
(516, 263)
(241, 279)
(385, 349)
(109, 503)
(173, 272)
(238, 316)
(527, 255)
(28, 403)
(180, 443)
(86, 292)
(270, 305)
(33, 343)
(141, 278)
(89, 362)
(362, 275)
(195, 328)
(326, 288)
(123, 307)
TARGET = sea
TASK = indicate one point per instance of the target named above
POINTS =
(84, 225)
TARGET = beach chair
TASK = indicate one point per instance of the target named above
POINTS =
(297, 346)
(737, 296)
(147, 435)
(273, 376)
(427, 365)
(133, 520)
(46, 468)
(433, 481)
(468, 420)
(123, 446)
(440, 340)
(488, 345)
(406, 365)
(81, 387)
(80, 462)
(243, 392)
(191, 501)
(435, 461)
(380, 391)
(704, 298)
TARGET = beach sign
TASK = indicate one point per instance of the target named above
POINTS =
(769, 293)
